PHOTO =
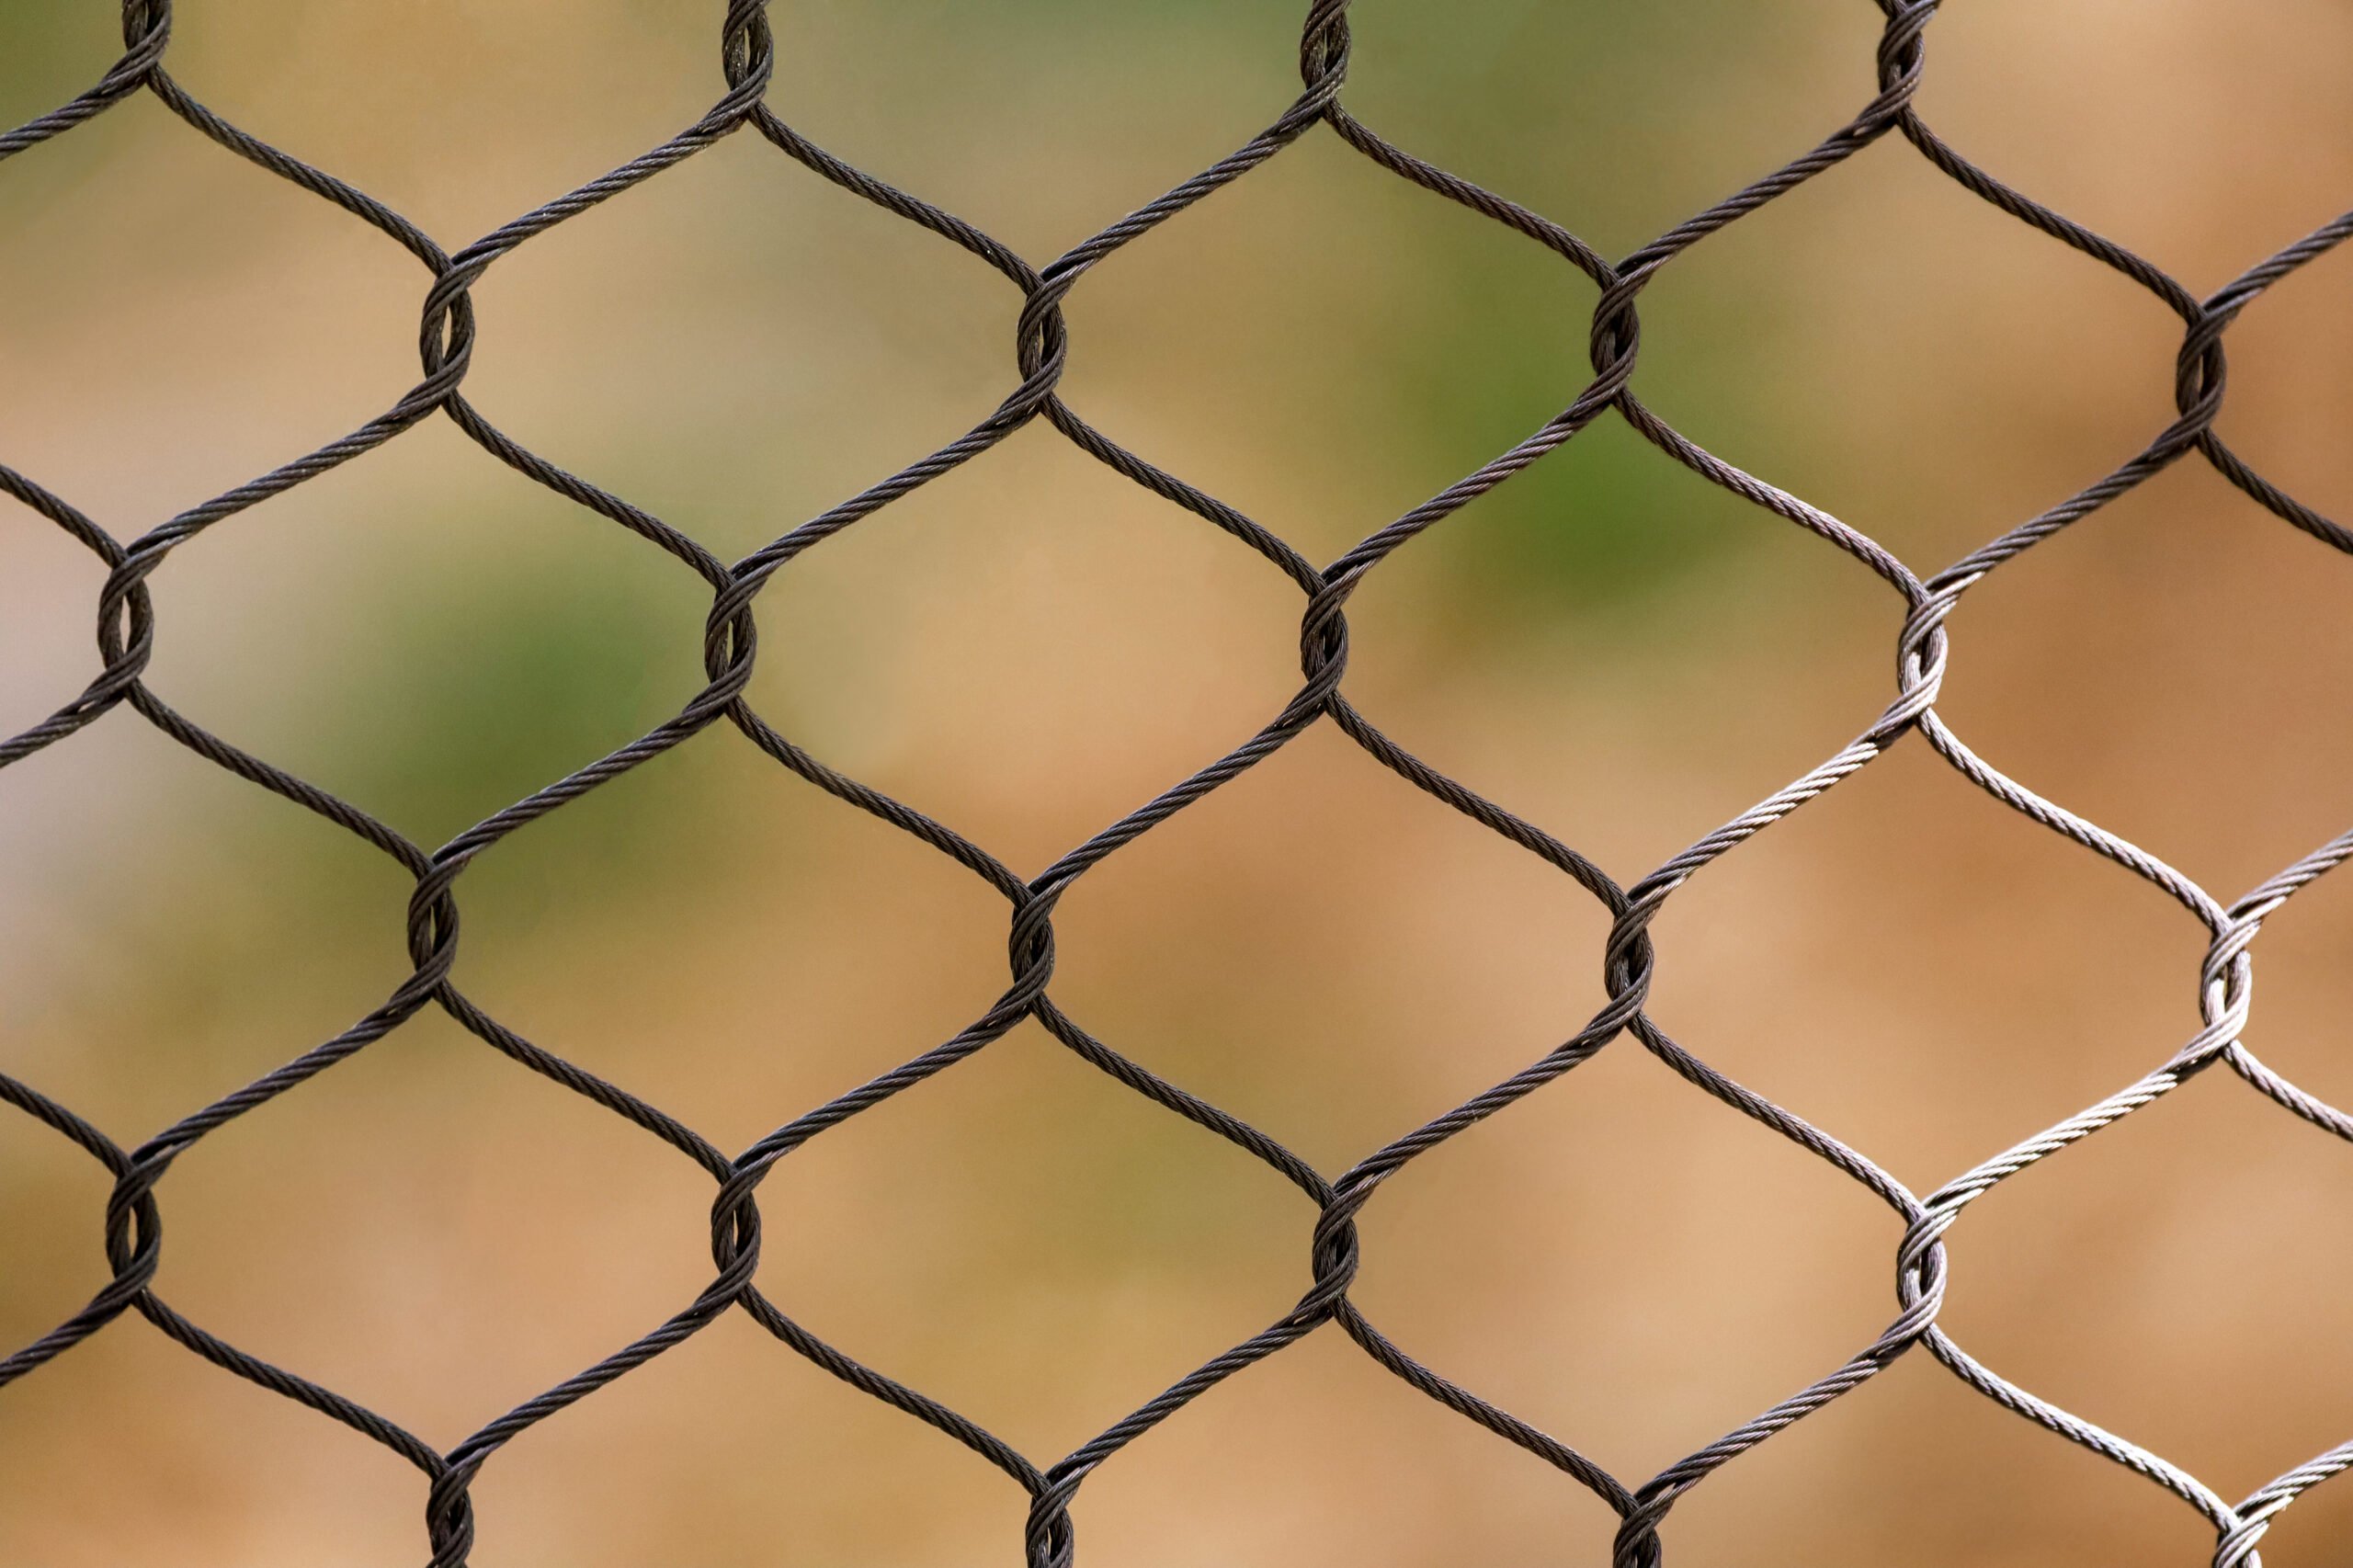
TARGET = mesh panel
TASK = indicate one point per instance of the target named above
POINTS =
(1921, 657)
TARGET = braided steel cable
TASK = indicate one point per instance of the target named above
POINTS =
(448, 341)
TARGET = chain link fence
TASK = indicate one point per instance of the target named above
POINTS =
(1921, 657)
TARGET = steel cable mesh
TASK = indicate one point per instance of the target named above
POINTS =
(134, 1215)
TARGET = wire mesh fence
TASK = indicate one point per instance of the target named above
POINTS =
(1921, 657)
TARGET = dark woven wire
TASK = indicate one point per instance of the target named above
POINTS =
(133, 1225)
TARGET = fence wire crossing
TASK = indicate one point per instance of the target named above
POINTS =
(134, 1215)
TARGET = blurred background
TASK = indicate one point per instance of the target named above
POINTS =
(1031, 646)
